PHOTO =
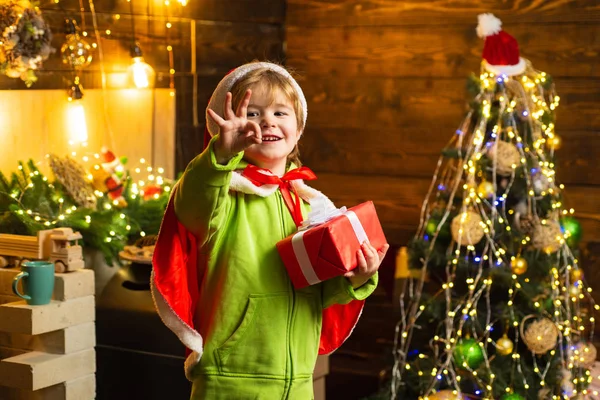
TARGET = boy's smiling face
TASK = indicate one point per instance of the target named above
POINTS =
(274, 113)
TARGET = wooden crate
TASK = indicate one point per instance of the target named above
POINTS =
(47, 352)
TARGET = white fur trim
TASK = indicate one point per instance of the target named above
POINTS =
(308, 193)
(190, 362)
(488, 25)
(508, 70)
(218, 97)
(240, 183)
(186, 334)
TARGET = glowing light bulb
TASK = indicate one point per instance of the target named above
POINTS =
(76, 125)
(141, 75)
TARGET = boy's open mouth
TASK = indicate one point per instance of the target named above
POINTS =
(270, 138)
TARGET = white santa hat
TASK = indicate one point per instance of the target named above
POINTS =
(218, 97)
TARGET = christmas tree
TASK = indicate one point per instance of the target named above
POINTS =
(501, 310)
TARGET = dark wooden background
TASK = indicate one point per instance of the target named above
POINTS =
(385, 82)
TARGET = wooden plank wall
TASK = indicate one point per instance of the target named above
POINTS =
(386, 88)
(220, 34)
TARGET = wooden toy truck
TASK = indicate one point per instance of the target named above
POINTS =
(59, 245)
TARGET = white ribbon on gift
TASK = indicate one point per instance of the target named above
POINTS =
(318, 216)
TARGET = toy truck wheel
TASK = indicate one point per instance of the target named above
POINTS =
(60, 267)
(3, 262)
(19, 261)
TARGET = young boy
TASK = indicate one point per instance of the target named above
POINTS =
(254, 336)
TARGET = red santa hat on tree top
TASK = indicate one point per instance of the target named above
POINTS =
(501, 50)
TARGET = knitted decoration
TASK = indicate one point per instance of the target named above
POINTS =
(540, 336)
(505, 155)
(584, 354)
(73, 177)
(467, 228)
(547, 237)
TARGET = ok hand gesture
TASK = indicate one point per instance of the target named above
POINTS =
(236, 132)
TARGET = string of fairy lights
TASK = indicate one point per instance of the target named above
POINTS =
(482, 214)
(145, 183)
(78, 54)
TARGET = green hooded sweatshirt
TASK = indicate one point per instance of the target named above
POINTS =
(261, 336)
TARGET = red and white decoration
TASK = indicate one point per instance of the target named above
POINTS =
(501, 50)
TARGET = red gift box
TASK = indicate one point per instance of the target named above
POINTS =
(328, 250)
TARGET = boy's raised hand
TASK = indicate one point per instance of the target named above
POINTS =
(369, 260)
(236, 132)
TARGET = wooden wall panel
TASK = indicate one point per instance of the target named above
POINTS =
(445, 51)
(413, 151)
(394, 103)
(435, 13)
(398, 126)
(242, 11)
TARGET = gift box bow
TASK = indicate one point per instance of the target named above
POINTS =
(320, 215)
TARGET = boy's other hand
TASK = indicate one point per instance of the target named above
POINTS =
(369, 260)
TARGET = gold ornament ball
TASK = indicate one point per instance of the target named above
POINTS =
(485, 189)
(467, 228)
(445, 395)
(518, 265)
(555, 143)
(576, 275)
(504, 346)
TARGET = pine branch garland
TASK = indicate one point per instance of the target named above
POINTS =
(30, 202)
